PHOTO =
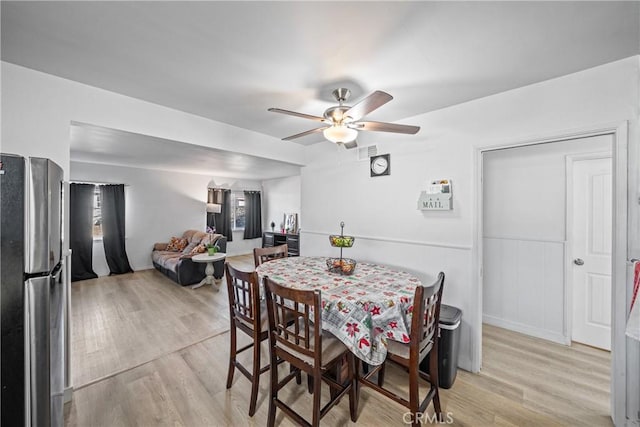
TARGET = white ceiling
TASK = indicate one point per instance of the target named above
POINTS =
(230, 61)
(96, 144)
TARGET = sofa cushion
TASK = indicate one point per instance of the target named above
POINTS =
(194, 236)
(161, 257)
(177, 244)
(171, 262)
(198, 249)
(160, 246)
(189, 248)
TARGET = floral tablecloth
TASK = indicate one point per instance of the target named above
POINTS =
(363, 310)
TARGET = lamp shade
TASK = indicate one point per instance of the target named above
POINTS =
(340, 133)
(214, 208)
(214, 195)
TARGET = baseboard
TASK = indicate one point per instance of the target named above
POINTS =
(526, 329)
(144, 267)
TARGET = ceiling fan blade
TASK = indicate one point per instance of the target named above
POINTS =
(305, 133)
(367, 105)
(350, 145)
(385, 127)
(293, 113)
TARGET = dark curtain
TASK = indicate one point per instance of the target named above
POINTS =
(223, 219)
(211, 221)
(252, 215)
(112, 210)
(81, 231)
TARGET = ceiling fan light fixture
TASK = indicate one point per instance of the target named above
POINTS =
(340, 133)
(343, 122)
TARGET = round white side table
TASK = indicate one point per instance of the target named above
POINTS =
(209, 259)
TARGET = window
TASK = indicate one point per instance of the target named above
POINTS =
(237, 211)
(97, 213)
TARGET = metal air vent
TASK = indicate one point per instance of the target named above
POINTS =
(365, 152)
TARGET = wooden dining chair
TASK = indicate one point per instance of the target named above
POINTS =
(424, 338)
(261, 255)
(302, 343)
(247, 316)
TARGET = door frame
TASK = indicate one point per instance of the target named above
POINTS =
(619, 256)
(568, 253)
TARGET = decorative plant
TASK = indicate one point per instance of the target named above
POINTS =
(212, 248)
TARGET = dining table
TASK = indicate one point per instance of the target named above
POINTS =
(364, 310)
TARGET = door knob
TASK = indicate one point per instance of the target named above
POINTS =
(578, 261)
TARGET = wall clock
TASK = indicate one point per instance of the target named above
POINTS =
(380, 165)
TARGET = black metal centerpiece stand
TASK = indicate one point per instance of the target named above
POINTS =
(341, 265)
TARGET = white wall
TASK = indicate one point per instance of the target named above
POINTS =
(525, 188)
(382, 212)
(38, 108)
(524, 192)
(159, 205)
(280, 196)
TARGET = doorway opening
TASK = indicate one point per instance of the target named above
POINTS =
(546, 239)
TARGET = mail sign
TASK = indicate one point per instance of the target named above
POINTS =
(438, 197)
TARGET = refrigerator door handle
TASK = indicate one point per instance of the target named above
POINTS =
(44, 215)
(37, 236)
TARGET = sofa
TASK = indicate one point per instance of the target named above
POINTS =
(174, 257)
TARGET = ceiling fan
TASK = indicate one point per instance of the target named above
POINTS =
(342, 122)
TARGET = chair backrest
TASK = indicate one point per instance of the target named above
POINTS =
(295, 322)
(425, 317)
(261, 255)
(244, 296)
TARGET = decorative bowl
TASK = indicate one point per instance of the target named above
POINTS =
(344, 266)
(341, 241)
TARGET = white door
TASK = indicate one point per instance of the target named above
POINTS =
(590, 240)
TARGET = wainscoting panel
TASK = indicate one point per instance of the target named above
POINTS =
(425, 260)
(523, 286)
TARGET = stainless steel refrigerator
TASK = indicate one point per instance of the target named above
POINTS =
(32, 294)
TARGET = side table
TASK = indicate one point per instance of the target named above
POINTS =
(209, 259)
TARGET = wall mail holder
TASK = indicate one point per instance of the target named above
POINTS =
(438, 197)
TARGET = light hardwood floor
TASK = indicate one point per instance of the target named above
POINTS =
(148, 352)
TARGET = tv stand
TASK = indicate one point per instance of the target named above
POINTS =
(272, 238)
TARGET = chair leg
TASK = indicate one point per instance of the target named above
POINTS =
(298, 375)
(435, 381)
(310, 384)
(353, 393)
(381, 374)
(232, 354)
(436, 405)
(414, 397)
(273, 394)
(255, 380)
(317, 382)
